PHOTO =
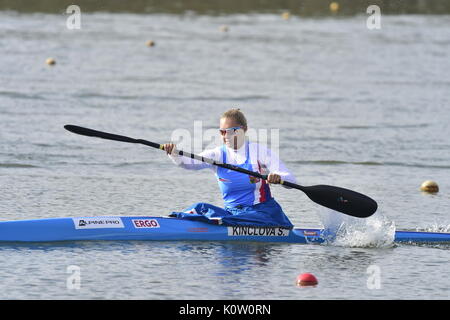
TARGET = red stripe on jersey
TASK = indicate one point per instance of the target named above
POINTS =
(264, 190)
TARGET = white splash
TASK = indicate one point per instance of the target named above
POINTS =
(342, 230)
(436, 227)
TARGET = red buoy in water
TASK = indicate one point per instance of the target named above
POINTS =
(307, 279)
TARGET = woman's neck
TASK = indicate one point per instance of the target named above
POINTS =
(240, 148)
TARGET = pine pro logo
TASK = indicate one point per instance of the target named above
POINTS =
(98, 223)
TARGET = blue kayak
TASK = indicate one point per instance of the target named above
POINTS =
(170, 229)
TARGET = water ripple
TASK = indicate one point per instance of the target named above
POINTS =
(369, 163)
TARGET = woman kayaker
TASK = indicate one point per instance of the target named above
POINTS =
(248, 200)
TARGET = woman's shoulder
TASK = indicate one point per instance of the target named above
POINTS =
(260, 151)
(213, 152)
(256, 146)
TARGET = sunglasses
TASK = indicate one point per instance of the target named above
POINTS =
(229, 131)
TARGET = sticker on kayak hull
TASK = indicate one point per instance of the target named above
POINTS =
(310, 233)
(97, 223)
(258, 231)
(145, 223)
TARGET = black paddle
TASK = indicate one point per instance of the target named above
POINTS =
(339, 199)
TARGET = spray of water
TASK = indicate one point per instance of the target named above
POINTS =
(342, 230)
(436, 227)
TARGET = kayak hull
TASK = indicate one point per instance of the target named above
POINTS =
(116, 228)
(141, 228)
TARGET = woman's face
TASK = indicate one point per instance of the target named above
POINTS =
(232, 138)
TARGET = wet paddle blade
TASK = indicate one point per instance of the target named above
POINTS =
(343, 200)
(99, 134)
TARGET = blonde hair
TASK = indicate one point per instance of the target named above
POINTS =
(236, 115)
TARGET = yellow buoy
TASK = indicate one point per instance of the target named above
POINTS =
(50, 61)
(334, 7)
(224, 28)
(150, 43)
(286, 15)
(429, 186)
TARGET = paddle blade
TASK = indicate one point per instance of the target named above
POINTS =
(99, 134)
(343, 200)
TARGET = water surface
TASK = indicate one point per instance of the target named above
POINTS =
(361, 109)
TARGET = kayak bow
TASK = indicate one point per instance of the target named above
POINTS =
(117, 228)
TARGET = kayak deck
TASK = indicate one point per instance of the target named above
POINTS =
(170, 229)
